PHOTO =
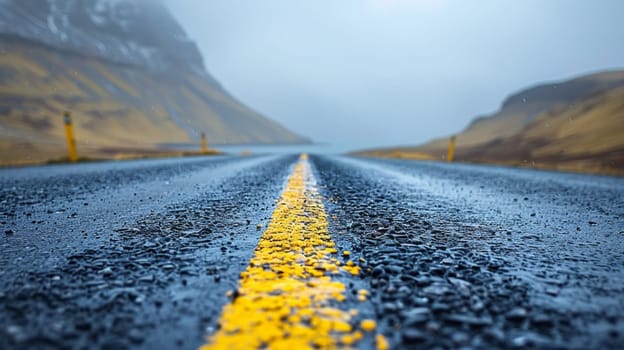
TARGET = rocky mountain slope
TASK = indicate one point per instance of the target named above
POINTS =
(124, 68)
(572, 125)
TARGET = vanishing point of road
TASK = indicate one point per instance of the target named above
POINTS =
(309, 252)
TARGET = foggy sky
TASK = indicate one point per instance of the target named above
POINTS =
(395, 72)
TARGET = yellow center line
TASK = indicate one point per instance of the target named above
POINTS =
(286, 297)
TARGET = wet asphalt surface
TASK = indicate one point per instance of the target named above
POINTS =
(141, 254)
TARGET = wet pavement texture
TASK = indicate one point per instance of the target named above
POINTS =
(464, 256)
(141, 254)
(158, 280)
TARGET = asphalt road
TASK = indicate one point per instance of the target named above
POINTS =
(141, 254)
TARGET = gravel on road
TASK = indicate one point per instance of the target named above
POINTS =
(142, 254)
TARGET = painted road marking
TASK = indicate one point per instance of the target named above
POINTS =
(287, 298)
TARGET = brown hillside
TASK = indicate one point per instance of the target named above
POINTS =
(587, 136)
(113, 105)
(577, 125)
(523, 107)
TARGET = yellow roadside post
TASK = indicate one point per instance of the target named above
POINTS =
(451, 149)
(204, 144)
(69, 135)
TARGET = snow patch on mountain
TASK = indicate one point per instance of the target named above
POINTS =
(137, 32)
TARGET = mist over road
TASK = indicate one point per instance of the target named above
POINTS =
(142, 254)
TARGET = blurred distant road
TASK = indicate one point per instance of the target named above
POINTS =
(142, 254)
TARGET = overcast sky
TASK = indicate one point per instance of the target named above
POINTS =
(395, 72)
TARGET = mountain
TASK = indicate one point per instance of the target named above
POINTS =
(575, 125)
(125, 69)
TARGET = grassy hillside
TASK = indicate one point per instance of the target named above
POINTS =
(113, 106)
(585, 136)
(518, 110)
(577, 125)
